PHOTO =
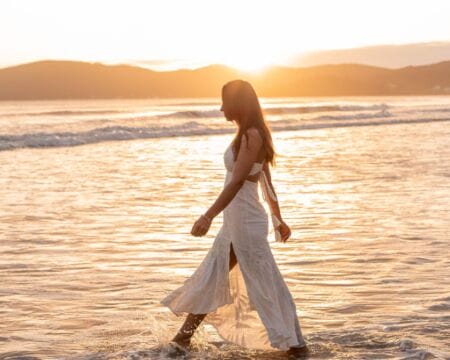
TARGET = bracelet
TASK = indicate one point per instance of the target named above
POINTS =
(206, 217)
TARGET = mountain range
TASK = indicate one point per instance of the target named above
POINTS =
(52, 79)
(390, 56)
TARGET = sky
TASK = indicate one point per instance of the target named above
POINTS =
(247, 34)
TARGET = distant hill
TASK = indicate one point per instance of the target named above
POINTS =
(388, 56)
(81, 80)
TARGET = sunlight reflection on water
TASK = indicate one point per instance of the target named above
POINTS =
(94, 236)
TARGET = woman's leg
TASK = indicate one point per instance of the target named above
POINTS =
(183, 337)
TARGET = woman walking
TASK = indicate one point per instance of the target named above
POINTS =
(238, 287)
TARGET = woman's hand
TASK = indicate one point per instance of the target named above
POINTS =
(285, 231)
(201, 226)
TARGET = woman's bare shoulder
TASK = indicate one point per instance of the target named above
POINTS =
(254, 135)
(254, 131)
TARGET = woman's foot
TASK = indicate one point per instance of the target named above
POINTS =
(181, 343)
(298, 352)
(178, 348)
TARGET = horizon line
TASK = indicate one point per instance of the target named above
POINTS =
(198, 64)
(130, 64)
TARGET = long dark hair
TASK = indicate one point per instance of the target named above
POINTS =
(241, 98)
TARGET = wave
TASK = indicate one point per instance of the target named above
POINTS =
(279, 110)
(443, 110)
(193, 114)
(381, 114)
(108, 133)
(116, 133)
(323, 108)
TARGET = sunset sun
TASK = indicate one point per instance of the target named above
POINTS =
(250, 64)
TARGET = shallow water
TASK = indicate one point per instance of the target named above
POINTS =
(94, 236)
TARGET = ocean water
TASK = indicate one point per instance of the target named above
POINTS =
(98, 197)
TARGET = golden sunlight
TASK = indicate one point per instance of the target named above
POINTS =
(252, 60)
(249, 64)
(248, 35)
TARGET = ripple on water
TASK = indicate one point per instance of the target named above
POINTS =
(91, 244)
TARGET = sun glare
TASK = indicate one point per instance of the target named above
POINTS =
(252, 63)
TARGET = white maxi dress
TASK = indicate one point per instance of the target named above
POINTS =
(250, 305)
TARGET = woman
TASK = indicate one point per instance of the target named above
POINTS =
(238, 287)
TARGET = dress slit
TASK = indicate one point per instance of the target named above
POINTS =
(238, 321)
(229, 259)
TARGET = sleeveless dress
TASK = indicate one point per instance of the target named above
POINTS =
(250, 305)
